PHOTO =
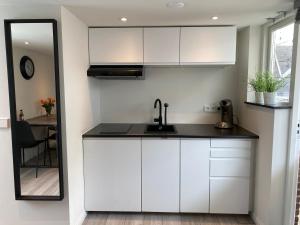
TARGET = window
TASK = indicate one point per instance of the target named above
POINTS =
(280, 62)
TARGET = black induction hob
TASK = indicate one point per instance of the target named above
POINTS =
(114, 128)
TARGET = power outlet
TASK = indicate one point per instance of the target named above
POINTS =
(4, 122)
(298, 130)
(211, 107)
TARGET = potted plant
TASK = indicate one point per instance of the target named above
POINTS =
(258, 85)
(47, 104)
(272, 85)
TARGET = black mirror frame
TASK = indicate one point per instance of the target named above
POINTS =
(12, 101)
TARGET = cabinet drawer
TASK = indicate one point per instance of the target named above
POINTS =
(229, 167)
(231, 143)
(230, 153)
(229, 195)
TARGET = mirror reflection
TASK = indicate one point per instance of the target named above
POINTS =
(36, 127)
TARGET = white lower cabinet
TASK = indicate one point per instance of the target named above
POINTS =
(194, 182)
(160, 175)
(230, 176)
(112, 174)
(167, 175)
(229, 195)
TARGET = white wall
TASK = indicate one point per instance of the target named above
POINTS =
(186, 90)
(40, 86)
(22, 212)
(82, 106)
(272, 128)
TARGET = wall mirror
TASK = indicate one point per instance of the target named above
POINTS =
(33, 76)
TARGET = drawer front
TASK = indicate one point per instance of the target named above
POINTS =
(230, 143)
(229, 167)
(229, 195)
(230, 153)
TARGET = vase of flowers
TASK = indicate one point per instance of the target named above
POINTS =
(258, 85)
(272, 85)
(48, 104)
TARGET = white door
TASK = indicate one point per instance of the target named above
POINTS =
(208, 45)
(112, 174)
(116, 46)
(160, 175)
(161, 46)
(194, 197)
(229, 195)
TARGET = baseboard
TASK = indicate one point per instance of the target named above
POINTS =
(256, 219)
(81, 218)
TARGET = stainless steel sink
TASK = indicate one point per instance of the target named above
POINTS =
(161, 129)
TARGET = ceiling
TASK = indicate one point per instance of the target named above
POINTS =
(41, 41)
(155, 12)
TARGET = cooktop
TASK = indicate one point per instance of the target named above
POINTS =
(114, 128)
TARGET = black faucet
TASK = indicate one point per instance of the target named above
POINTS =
(159, 119)
(166, 105)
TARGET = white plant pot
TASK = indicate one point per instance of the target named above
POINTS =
(259, 97)
(270, 98)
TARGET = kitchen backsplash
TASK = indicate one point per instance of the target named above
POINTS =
(186, 89)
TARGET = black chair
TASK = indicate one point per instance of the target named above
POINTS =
(26, 139)
(50, 137)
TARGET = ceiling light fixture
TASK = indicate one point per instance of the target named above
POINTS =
(26, 43)
(123, 19)
(175, 4)
(215, 18)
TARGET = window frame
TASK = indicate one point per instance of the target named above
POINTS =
(270, 29)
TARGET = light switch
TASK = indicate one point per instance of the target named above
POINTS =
(4, 122)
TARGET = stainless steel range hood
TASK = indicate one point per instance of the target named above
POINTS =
(121, 72)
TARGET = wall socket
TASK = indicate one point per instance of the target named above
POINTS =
(298, 130)
(215, 107)
(4, 122)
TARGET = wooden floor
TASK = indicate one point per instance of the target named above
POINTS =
(165, 219)
(47, 182)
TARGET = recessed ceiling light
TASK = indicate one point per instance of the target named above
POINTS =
(26, 43)
(175, 4)
(123, 19)
(215, 18)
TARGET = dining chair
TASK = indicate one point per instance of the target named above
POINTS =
(51, 136)
(26, 140)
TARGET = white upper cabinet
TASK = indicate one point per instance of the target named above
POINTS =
(208, 45)
(161, 46)
(116, 46)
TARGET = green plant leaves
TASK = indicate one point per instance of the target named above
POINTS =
(266, 82)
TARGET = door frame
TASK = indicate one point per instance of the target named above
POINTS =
(292, 169)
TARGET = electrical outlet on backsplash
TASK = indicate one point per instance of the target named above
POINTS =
(214, 107)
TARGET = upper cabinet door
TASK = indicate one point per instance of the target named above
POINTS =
(116, 46)
(161, 46)
(208, 45)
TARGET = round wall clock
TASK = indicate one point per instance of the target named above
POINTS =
(27, 67)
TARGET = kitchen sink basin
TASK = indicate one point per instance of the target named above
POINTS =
(160, 129)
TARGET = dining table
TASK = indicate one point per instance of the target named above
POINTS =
(43, 120)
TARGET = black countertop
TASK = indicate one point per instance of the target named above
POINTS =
(280, 105)
(183, 131)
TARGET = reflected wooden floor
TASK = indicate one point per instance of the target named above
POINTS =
(165, 219)
(47, 182)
